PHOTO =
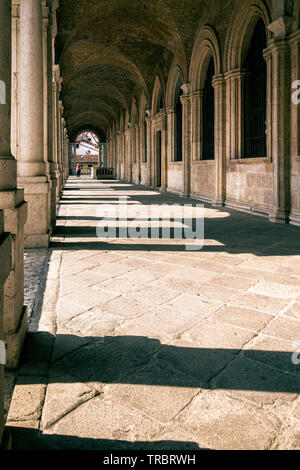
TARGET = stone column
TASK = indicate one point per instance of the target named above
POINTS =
(6, 257)
(164, 151)
(32, 173)
(142, 142)
(104, 154)
(186, 138)
(59, 148)
(234, 117)
(15, 10)
(220, 155)
(137, 152)
(280, 139)
(55, 144)
(148, 143)
(130, 151)
(196, 124)
(49, 112)
(13, 206)
(171, 119)
(99, 154)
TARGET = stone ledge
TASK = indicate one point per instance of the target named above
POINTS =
(204, 162)
(250, 160)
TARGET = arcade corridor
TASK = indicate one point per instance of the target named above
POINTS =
(141, 344)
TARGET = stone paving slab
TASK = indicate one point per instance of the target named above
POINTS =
(156, 347)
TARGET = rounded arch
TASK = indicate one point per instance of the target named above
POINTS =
(157, 95)
(206, 47)
(175, 80)
(240, 31)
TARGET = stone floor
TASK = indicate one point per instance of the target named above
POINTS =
(146, 344)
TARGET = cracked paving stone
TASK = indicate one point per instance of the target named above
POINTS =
(257, 382)
(221, 422)
(28, 398)
(106, 419)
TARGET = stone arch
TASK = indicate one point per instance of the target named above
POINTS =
(240, 31)
(206, 46)
(175, 81)
(157, 95)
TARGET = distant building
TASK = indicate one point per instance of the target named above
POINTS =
(87, 151)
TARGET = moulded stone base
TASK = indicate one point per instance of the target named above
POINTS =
(295, 218)
(15, 341)
(37, 240)
(37, 227)
(279, 217)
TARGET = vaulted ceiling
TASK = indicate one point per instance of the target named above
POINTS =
(110, 50)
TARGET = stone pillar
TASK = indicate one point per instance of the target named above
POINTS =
(130, 151)
(104, 154)
(15, 11)
(164, 151)
(280, 133)
(234, 118)
(13, 206)
(148, 143)
(171, 119)
(49, 113)
(142, 143)
(220, 155)
(59, 148)
(197, 138)
(6, 257)
(186, 138)
(99, 154)
(56, 83)
(32, 173)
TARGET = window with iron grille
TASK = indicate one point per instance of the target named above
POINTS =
(254, 94)
(208, 152)
(178, 119)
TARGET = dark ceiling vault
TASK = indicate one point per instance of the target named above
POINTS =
(110, 50)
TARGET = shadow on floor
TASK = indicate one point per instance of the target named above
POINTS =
(140, 360)
(31, 439)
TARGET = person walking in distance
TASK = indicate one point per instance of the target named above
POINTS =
(78, 170)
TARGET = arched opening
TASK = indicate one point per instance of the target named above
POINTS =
(209, 114)
(254, 96)
(178, 122)
(86, 152)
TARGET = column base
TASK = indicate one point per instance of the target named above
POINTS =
(53, 186)
(37, 241)
(218, 202)
(279, 217)
(37, 227)
(15, 341)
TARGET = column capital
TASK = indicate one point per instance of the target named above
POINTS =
(218, 80)
(281, 27)
(186, 88)
(170, 110)
(236, 74)
(196, 94)
(277, 45)
(185, 99)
